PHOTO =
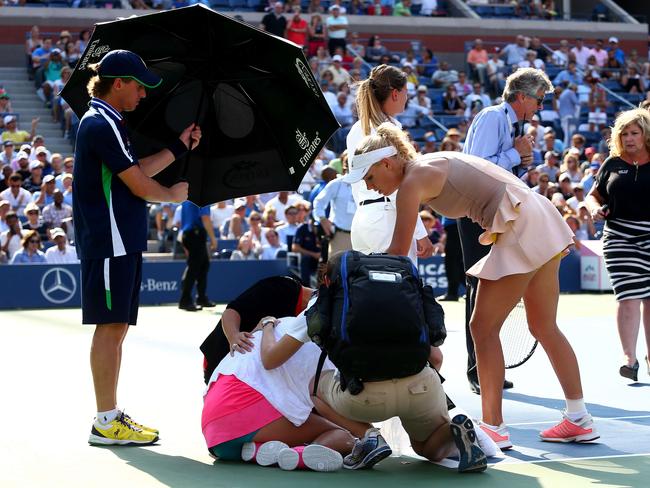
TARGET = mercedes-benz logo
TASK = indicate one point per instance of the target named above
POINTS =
(58, 285)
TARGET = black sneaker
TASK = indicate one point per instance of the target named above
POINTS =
(471, 458)
(189, 307)
(367, 451)
(206, 303)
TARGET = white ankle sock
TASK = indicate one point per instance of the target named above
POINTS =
(494, 427)
(576, 409)
(108, 416)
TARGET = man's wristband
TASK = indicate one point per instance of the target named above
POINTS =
(177, 148)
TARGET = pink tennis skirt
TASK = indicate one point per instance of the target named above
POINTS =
(232, 409)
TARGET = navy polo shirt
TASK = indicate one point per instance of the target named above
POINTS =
(191, 216)
(109, 220)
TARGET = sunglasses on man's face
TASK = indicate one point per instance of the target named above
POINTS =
(34, 241)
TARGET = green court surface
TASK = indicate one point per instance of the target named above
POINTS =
(47, 408)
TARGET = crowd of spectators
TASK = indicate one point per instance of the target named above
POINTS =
(570, 132)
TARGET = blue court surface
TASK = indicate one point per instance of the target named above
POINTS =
(47, 408)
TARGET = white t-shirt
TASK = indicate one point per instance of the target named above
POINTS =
(15, 243)
(54, 256)
(340, 33)
(219, 215)
(287, 386)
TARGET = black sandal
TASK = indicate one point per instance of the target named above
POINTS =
(630, 372)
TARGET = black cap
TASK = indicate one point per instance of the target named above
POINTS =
(126, 64)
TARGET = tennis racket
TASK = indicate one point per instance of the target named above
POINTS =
(517, 342)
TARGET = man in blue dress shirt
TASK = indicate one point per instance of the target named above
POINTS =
(496, 134)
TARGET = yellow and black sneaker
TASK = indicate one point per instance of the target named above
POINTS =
(128, 418)
(121, 433)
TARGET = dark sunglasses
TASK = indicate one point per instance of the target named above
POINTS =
(34, 241)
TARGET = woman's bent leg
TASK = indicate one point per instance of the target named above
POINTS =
(541, 299)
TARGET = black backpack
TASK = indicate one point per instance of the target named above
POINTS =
(375, 321)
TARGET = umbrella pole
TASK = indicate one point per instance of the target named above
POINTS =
(185, 166)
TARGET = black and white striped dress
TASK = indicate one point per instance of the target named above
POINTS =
(626, 244)
(625, 187)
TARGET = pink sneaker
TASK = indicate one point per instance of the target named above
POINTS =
(582, 430)
(313, 456)
(264, 454)
(500, 436)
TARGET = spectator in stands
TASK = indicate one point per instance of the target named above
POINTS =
(355, 49)
(631, 81)
(599, 53)
(22, 165)
(255, 231)
(548, 10)
(477, 59)
(560, 56)
(272, 246)
(495, 69)
(375, 49)
(288, 230)
(550, 166)
(448, 144)
(591, 67)
(463, 87)
(82, 42)
(220, 212)
(568, 76)
(30, 253)
(64, 38)
(57, 213)
(307, 244)
(578, 196)
(342, 110)
(532, 61)
(11, 132)
(8, 154)
(531, 178)
(45, 196)
(578, 146)
(71, 54)
(32, 43)
(619, 54)
(581, 53)
(339, 74)
(536, 45)
(5, 173)
(5, 105)
(565, 187)
(570, 167)
(422, 99)
(452, 104)
(429, 63)
(236, 225)
(52, 74)
(40, 55)
(297, 30)
(35, 222)
(62, 252)
(34, 182)
(247, 249)
(429, 143)
(634, 60)
(377, 7)
(282, 201)
(58, 104)
(444, 76)
(515, 53)
(317, 35)
(538, 143)
(4, 209)
(17, 196)
(597, 104)
(613, 68)
(337, 25)
(274, 22)
(11, 239)
(337, 196)
(402, 8)
(568, 110)
(477, 95)
(543, 184)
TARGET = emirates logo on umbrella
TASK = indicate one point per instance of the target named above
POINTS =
(306, 76)
(307, 146)
(94, 50)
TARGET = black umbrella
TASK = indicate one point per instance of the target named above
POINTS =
(263, 116)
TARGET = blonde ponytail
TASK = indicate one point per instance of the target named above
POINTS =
(373, 92)
(388, 135)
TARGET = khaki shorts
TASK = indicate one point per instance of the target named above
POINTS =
(419, 401)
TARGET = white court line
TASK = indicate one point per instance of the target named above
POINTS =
(514, 460)
(598, 418)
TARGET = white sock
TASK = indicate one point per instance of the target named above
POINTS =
(576, 409)
(108, 416)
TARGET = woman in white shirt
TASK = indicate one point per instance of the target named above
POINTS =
(380, 97)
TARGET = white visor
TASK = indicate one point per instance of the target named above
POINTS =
(361, 163)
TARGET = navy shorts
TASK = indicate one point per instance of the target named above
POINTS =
(110, 289)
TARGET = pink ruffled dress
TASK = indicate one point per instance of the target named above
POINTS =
(523, 227)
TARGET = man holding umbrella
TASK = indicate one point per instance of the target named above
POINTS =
(111, 188)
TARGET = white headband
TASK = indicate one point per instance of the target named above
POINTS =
(360, 161)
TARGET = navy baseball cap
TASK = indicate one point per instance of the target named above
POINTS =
(125, 64)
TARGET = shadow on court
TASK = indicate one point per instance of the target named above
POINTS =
(180, 471)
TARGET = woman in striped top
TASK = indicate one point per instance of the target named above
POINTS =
(620, 196)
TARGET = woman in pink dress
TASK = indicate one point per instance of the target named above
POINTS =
(524, 259)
